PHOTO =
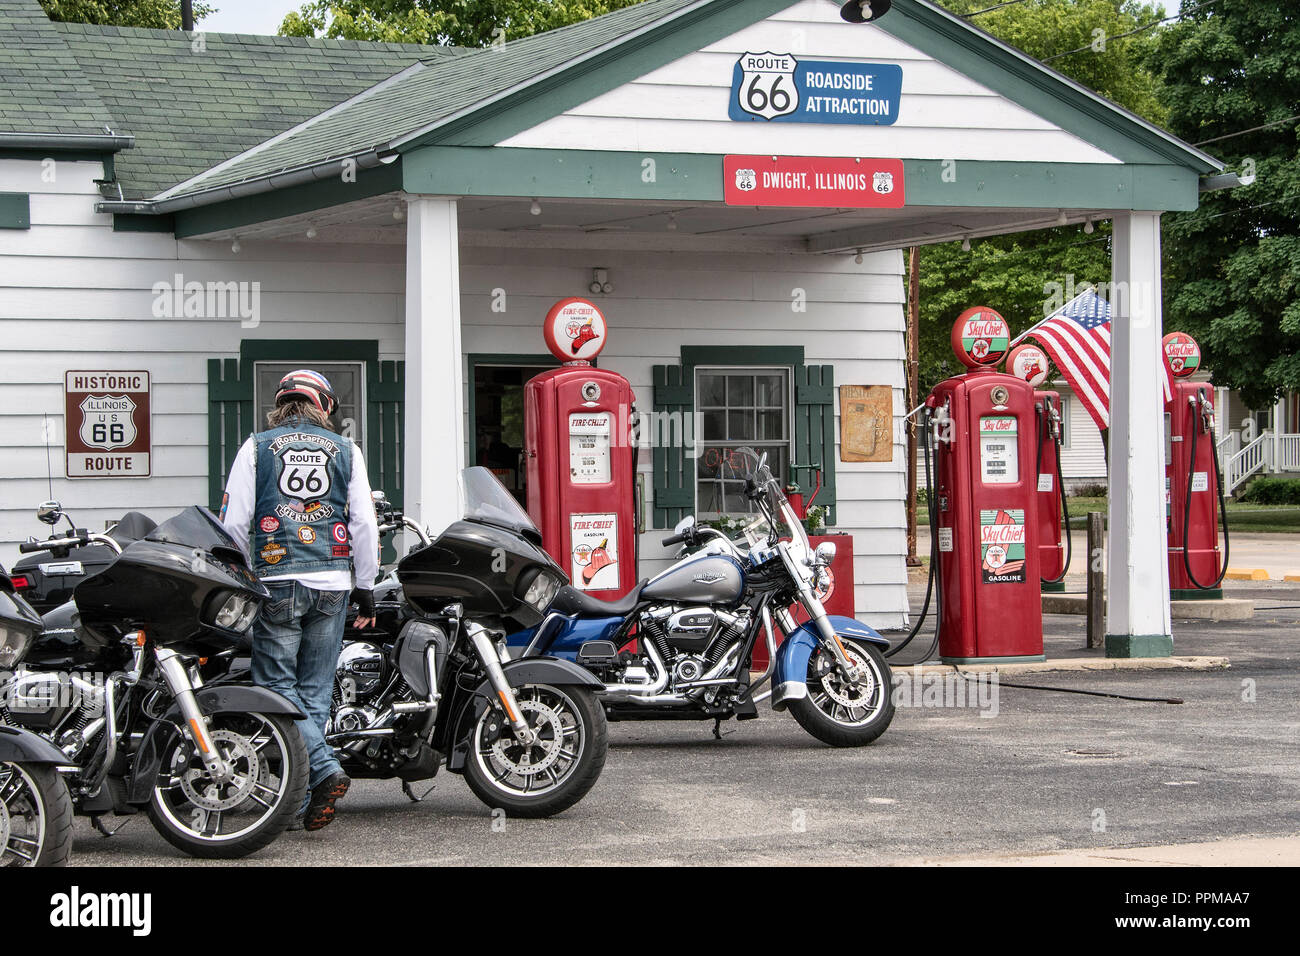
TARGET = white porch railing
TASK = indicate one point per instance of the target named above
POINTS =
(1253, 458)
(1288, 453)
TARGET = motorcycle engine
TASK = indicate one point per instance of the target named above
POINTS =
(692, 640)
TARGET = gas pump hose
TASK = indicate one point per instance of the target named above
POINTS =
(1065, 507)
(930, 589)
(1187, 514)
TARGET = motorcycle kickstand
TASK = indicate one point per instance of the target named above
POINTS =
(406, 789)
(97, 821)
(717, 728)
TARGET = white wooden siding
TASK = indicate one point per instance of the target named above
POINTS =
(682, 107)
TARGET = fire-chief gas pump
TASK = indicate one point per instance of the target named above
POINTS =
(1030, 363)
(580, 459)
(987, 501)
(1193, 479)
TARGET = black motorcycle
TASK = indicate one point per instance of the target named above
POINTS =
(115, 680)
(35, 808)
(46, 580)
(432, 683)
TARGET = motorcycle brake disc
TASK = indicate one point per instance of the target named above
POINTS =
(201, 791)
(551, 750)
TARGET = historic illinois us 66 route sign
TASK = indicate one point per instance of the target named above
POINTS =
(107, 424)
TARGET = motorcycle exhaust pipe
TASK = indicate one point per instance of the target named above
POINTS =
(639, 692)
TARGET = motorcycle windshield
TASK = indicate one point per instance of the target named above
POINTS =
(488, 502)
(752, 466)
(197, 527)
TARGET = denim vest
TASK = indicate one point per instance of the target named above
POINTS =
(300, 521)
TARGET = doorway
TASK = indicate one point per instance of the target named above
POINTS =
(497, 415)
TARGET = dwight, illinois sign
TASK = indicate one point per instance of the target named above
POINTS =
(106, 417)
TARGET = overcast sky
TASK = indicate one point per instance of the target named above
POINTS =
(264, 16)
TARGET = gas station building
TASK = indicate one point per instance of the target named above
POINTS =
(730, 181)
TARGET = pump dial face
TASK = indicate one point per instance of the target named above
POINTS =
(1182, 354)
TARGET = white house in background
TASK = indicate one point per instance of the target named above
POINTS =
(402, 217)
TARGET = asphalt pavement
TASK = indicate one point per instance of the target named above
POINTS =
(1050, 772)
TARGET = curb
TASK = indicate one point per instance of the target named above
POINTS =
(1190, 663)
(1246, 574)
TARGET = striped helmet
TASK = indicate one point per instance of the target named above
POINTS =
(309, 385)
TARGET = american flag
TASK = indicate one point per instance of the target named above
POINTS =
(1077, 337)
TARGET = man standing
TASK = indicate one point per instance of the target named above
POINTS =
(301, 491)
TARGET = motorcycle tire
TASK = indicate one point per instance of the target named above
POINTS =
(812, 714)
(579, 774)
(163, 818)
(53, 805)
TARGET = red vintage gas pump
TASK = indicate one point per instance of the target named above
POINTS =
(987, 502)
(1193, 479)
(1030, 363)
(579, 457)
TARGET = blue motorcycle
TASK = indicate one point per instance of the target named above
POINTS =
(679, 646)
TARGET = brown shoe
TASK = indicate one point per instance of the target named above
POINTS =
(320, 810)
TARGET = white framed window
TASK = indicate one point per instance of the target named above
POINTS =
(347, 378)
(737, 407)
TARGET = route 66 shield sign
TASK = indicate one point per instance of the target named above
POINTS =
(767, 86)
(107, 421)
(304, 473)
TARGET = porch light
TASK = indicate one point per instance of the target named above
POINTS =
(399, 213)
(1088, 227)
(864, 11)
(965, 243)
(858, 258)
(311, 232)
(1061, 218)
(235, 246)
(535, 209)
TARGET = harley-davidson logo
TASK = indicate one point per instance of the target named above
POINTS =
(708, 577)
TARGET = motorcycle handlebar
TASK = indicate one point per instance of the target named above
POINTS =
(75, 540)
(673, 539)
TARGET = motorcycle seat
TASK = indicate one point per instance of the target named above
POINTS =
(569, 601)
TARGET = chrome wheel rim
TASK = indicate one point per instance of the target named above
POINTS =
(22, 817)
(850, 705)
(540, 767)
(218, 812)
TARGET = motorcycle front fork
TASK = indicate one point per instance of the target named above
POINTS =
(181, 687)
(487, 653)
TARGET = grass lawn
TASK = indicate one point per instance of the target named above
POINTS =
(1241, 515)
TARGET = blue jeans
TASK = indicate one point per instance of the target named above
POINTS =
(296, 643)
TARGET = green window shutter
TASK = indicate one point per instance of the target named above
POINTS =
(814, 433)
(385, 395)
(674, 470)
(230, 421)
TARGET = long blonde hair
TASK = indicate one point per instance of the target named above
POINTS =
(296, 409)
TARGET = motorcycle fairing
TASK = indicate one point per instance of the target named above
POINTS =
(560, 636)
(790, 676)
(23, 746)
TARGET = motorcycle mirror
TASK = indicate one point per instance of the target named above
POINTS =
(379, 498)
(50, 512)
(685, 525)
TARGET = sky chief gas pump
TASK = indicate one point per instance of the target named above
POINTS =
(580, 459)
(986, 497)
(1194, 503)
(1030, 363)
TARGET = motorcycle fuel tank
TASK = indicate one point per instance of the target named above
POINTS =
(708, 579)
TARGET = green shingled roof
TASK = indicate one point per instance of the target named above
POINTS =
(433, 90)
(42, 89)
(190, 110)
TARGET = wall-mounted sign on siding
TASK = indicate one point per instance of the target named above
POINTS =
(777, 87)
(834, 181)
(866, 423)
(106, 416)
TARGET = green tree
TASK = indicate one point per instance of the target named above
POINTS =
(158, 14)
(472, 23)
(1234, 263)
(1014, 274)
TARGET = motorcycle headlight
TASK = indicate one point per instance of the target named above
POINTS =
(13, 645)
(235, 613)
(541, 590)
(826, 553)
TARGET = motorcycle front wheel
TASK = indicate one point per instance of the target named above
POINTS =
(35, 816)
(552, 773)
(843, 714)
(240, 815)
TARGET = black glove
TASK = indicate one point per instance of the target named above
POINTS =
(364, 599)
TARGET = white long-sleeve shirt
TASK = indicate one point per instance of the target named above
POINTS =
(363, 528)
